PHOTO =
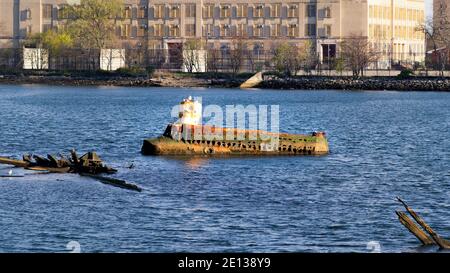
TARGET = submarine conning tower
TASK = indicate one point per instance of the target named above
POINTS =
(190, 112)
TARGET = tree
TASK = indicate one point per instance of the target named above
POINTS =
(290, 58)
(49, 44)
(213, 59)
(357, 53)
(52, 40)
(191, 54)
(92, 22)
(437, 32)
(237, 53)
(339, 65)
(432, 35)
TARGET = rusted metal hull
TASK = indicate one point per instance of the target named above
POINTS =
(307, 145)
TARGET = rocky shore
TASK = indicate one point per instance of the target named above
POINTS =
(160, 81)
(186, 81)
(348, 83)
(78, 81)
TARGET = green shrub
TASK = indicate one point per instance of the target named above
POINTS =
(406, 73)
(150, 70)
(132, 72)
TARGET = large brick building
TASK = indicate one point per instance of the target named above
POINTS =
(441, 15)
(388, 24)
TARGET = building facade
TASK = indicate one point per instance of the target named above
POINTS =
(441, 15)
(163, 24)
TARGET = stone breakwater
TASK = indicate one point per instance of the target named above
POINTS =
(78, 81)
(300, 83)
(166, 81)
(347, 83)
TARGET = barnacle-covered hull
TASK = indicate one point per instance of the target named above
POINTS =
(201, 140)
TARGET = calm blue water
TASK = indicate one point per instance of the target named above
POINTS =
(383, 144)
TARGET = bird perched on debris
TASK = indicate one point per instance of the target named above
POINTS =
(10, 172)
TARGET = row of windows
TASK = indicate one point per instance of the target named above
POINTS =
(409, 14)
(243, 30)
(385, 12)
(161, 11)
(259, 11)
(385, 32)
(395, 50)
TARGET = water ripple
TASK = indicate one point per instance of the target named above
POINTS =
(383, 144)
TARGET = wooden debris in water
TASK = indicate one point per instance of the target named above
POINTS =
(422, 231)
(89, 164)
(114, 182)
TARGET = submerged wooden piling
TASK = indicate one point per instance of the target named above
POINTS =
(423, 232)
(113, 181)
(89, 165)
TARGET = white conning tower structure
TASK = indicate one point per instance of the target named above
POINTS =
(190, 112)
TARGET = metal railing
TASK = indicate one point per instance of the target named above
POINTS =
(217, 60)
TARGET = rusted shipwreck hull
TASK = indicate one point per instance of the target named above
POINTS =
(185, 140)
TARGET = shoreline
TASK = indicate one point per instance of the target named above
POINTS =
(178, 80)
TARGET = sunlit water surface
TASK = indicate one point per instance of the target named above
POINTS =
(383, 145)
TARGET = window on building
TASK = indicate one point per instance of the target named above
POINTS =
(47, 11)
(225, 11)
(242, 10)
(46, 27)
(141, 30)
(327, 30)
(293, 11)
(189, 30)
(225, 50)
(258, 49)
(27, 13)
(190, 10)
(275, 30)
(241, 30)
(293, 30)
(158, 30)
(174, 12)
(159, 11)
(63, 12)
(275, 10)
(258, 11)
(118, 30)
(208, 30)
(310, 29)
(327, 12)
(311, 10)
(142, 12)
(225, 30)
(125, 30)
(258, 30)
(174, 31)
(126, 14)
(208, 11)
(329, 51)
